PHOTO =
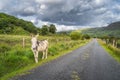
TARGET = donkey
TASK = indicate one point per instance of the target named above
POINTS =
(39, 46)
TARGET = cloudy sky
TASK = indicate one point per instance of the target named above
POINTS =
(65, 14)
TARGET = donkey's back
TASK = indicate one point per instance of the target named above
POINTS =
(42, 45)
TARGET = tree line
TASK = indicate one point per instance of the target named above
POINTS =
(47, 29)
(12, 25)
(76, 35)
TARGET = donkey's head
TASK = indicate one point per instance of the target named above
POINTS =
(34, 41)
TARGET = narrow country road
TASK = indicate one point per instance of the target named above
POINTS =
(90, 62)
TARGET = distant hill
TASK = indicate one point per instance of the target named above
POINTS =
(112, 29)
(114, 26)
(12, 25)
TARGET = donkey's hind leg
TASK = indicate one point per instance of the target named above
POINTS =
(46, 52)
(43, 56)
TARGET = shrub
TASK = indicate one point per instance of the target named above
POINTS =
(75, 35)
(85, 36)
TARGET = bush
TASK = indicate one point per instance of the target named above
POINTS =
(85, 36)
(75, 35)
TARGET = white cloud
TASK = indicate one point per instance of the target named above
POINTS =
(65, 28)
(33, 21)
(98, 1)
(98, 23)
(116, 7)
(29, 9)
(1, 5)
(101, 10)
(48, 1)
(43, 6)
(59, 27)
(79, 14)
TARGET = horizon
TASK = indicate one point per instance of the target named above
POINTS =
(66, 15)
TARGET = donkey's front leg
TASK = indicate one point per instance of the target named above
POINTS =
(36, 56)
(34, 52)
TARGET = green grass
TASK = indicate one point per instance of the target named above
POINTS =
(18, 60)
(114, 52)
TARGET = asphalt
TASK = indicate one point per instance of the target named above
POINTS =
(90, 62)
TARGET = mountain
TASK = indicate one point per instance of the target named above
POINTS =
(112, 29)
(114, 26)
(12, 25)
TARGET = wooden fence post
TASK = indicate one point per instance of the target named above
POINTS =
(23, 43)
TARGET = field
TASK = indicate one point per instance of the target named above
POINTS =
(14, 57)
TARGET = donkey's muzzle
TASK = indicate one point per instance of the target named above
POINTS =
(34, 48)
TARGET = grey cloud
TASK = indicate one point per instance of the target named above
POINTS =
(19, 7)
(67, 13)
(25, 11)
(62, 12)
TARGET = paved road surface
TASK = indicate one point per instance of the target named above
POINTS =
(90, 62)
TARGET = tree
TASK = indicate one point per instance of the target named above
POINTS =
(85, 36)
(44, 30)
(114, 40)
(75, 35)
(39, 30)
(52, 29)
(106, 38)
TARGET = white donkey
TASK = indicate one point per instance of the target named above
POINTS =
(39, 46)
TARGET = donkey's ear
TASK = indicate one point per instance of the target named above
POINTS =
(31, 35)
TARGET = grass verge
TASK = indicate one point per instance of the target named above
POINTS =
(25, 70)
(114, 52)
